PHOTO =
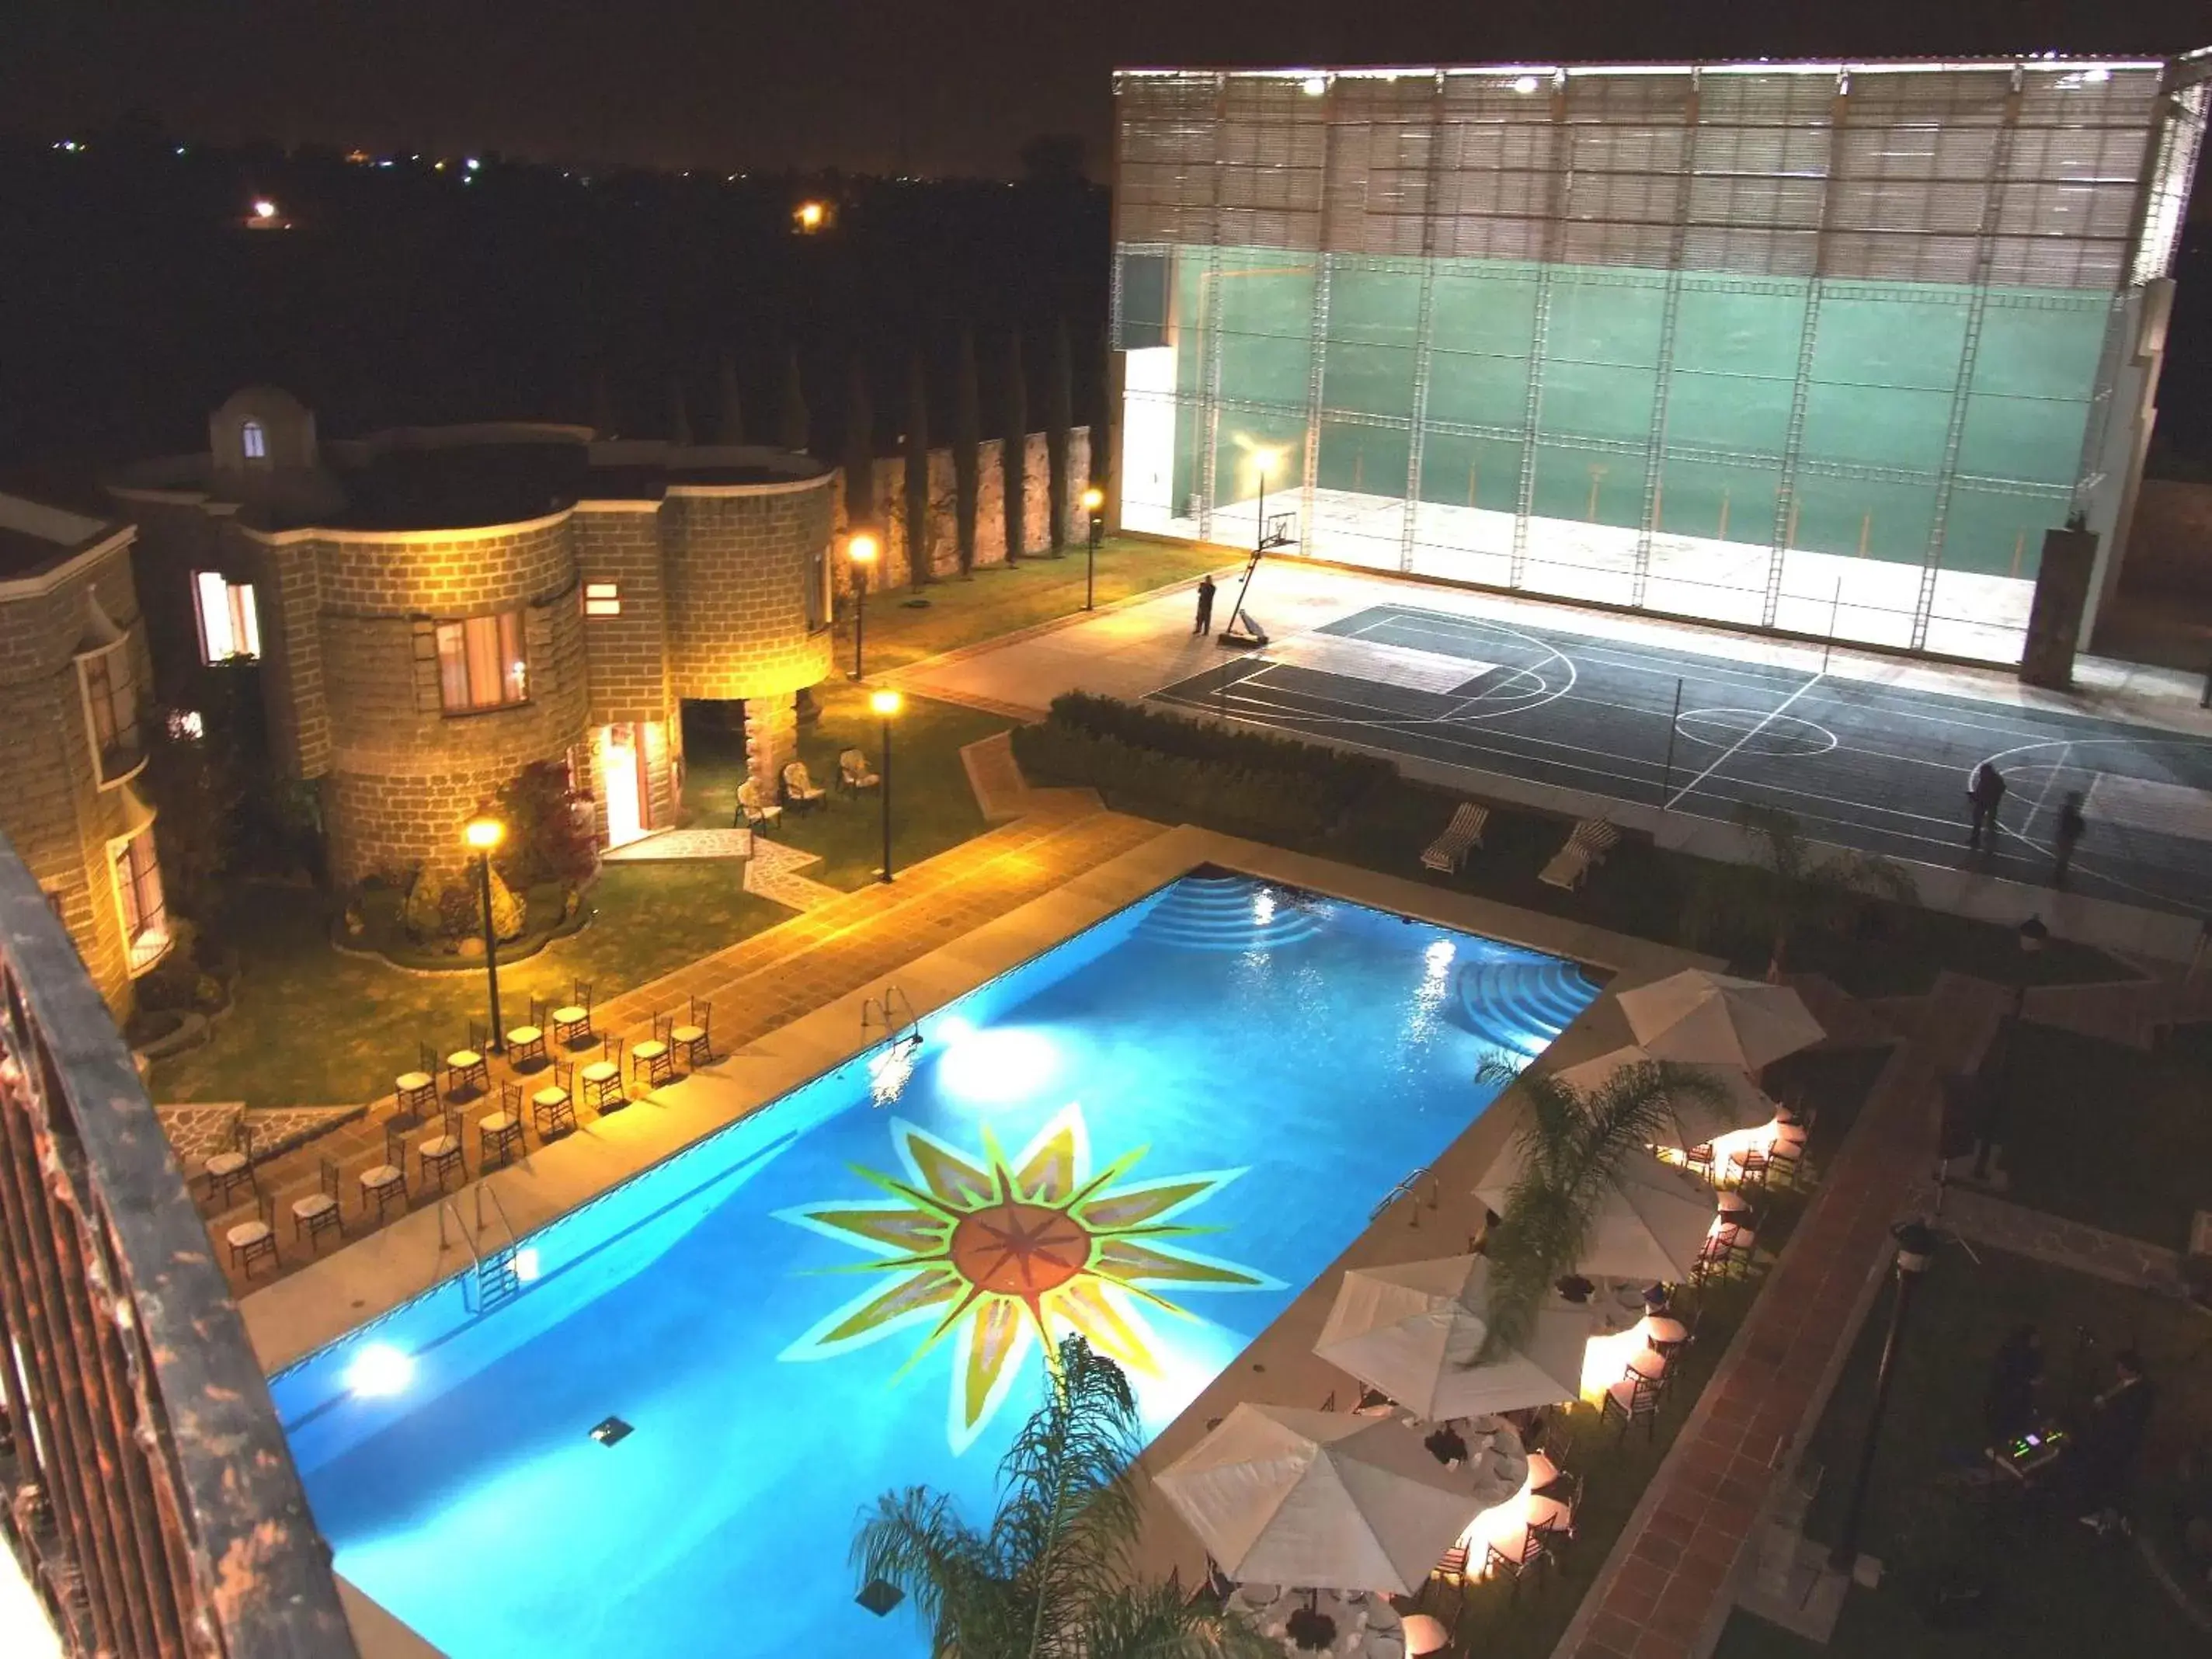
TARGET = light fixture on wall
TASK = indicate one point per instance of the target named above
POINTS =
(1314, 85)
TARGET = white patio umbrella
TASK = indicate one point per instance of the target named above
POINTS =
(1741, 1108)
(1323, 1500)
(1413, 1331)
(1711, 1019)
(1651, 1223)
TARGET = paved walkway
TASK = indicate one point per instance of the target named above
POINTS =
(753, 986)
(1987, 1219)
(772, 872)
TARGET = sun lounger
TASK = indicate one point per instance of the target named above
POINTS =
(1568, 868)
(1596, 838)
(1448, 852)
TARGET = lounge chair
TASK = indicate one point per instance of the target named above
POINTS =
(853, 771)
(755, 812)
(1448, 852)
(1597, 837)
(1586, 846)
(799, 789)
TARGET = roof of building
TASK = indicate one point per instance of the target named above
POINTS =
(35, 537)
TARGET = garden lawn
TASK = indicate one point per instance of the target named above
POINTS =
(2057, 1592)
(1001, 600)
(311, 1026)
(1493, 1622)
(2107, 1134)
(933, 807)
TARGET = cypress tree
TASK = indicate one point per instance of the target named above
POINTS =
(1059, 417)
(679, 417)
(966, 447)
(791, 432)
(732, 430)
(919, 539)
(1013, 451)
(860, 447)
(1103, 411)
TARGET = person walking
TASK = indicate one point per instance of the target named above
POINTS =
(2071, 824)
(1205, 622)
(1985, 788)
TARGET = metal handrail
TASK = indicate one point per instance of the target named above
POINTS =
(482, 1188)
(1405, 1189)
(159, 1509)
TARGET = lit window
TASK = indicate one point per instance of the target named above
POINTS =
(228, 625)
(602, 600)
(254, 441)
(819, 605)
(138, 889)
(185, 724)
(111, 697)
(480, 663)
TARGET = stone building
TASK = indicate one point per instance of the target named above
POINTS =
(436, 609)
(73, 666)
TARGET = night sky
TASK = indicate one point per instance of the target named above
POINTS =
(927, 86)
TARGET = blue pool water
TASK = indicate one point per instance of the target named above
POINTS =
(1157, 1132)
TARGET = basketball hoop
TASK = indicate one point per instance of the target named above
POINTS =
(1280, 530)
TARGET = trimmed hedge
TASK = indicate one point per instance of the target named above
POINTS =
(1336, 783)
(1279, 804)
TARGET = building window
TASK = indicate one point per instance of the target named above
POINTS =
(480, 663)
(253, 440)
(818, 601)
(228, 624)
(138, 890)
(111, 698)
(602, 600)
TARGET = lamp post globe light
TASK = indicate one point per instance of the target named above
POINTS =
(886, 704)
(483, 835)
(1094, 503)
(861, 547)
(1916, 1248)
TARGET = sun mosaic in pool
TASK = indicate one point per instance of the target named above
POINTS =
(1004, 1255)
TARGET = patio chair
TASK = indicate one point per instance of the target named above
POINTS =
(603, 1078)
(1520, 1555)
(553, 1107)
(386, 1183)
(753, 812)
(499, 1134)
(466, 1066)
(526, 1042)
(1633, 1399)
(254, 1241)
(573, 1018)
(416, 1092)
(853, 772)
(693, 1039)
(1752, 1168)
(1698, 1160)
(232, 1168)
(654, 1055)
(318, 1213)
(441, 1155)
(800, 790)
(1727, 1253)
(1448, 852)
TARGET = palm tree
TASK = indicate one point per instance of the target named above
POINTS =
(1049, 1578)
(1572, 1143)
(1786, 888)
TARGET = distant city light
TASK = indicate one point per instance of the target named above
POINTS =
(180, 150)
(438, 165)
(69, 145)
(810, 216)
(386, 162)
(265, 209)
(472, 164)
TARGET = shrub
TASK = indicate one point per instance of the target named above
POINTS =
(420, 913)
(1341, 782)
(456, 910)
(1276, 803)
(549, 835)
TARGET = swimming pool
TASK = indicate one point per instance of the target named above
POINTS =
(1156, 1133)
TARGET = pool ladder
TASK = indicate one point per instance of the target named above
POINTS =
(893, 1012)
(1408, 1189)
(493, 1277)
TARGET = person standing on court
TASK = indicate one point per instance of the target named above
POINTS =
(1986, 788)
(1205, 622)
(2071, 824)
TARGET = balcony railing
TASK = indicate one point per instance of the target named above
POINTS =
(149, 1496)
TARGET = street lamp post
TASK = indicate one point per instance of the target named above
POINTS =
(2032, 936)
(1094, 503)
(861, 547)
(483, 835)
(1916, 1246)
(886, 704)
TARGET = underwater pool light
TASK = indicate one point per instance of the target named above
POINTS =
(379, 1370)
(997, 1067)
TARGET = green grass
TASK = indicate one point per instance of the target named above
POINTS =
(969, 610)
(2056, 1590)
(1615, 1469)
(932, 808)
(2110, 1135)
(312, 1027)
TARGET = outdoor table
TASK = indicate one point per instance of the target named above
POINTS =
(1495, 1467)
(1367, 1625)
(1732, 1203)
(1661, 1331)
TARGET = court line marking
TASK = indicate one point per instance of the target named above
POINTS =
(1727, 754)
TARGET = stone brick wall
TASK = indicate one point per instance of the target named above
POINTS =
(54, 812)
(628, 652)
(741, 563)
(896, 568)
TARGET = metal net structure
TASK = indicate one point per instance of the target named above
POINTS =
(1822, 349)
